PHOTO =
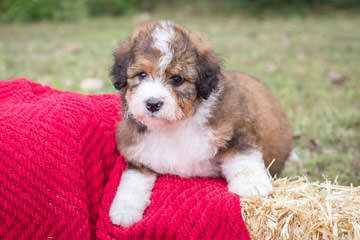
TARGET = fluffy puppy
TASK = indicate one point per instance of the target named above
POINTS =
(184, 115)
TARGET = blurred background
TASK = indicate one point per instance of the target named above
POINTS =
(306, 51)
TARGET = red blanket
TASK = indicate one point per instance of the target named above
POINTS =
(59, 170)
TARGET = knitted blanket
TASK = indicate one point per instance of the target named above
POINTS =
(59, 171)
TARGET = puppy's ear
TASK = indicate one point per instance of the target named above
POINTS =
(118, 70)
(209, 72)
(124, 54)
(208, 64)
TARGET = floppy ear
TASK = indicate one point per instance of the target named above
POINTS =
(208, 64)
(123, 54)
(118, 70)
(209, 73)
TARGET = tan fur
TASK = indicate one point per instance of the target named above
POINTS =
(186, 105)
(252, 112)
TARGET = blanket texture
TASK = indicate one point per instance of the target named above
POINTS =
(59, 171)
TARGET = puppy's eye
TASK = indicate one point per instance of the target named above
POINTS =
(177, 80)
(142, 75)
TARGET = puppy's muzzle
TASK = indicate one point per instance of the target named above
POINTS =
(154, 104)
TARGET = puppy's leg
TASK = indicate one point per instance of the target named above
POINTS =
(246, 174)
(132, 196)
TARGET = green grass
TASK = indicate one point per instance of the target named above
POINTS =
(291, 56)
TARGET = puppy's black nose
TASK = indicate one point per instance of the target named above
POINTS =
(154, 104)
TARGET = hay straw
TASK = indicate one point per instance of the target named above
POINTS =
(299, 209)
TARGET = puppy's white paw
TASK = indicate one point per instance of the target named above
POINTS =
(124, 213)
(132, 197)
(247, 176)
(247, 189)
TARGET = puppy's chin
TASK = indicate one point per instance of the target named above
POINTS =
(154, 123)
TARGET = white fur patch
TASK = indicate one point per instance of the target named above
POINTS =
(153, 88)
(132, 197)
(247, 176)
(162, 37)
(205, 109)
(185, 148)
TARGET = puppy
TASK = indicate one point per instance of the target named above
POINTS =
(183, 114)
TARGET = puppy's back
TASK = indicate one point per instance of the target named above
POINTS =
(269, 121)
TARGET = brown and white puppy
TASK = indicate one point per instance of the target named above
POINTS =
(184, 115)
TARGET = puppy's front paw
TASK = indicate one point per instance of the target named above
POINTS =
(247, 189)
(247, 176)
(132, 197)
(123, 212)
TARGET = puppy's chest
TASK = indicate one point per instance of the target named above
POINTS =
(186, 150)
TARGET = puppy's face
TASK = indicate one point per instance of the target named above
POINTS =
(163, 72)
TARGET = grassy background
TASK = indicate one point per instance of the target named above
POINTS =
(311, 64)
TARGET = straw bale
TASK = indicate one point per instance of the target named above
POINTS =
(299, 209)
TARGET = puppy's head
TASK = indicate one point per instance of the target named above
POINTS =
(163, 72)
